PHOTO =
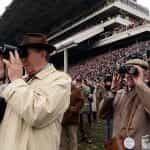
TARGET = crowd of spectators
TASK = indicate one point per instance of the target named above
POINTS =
(102, 64)
(133, 24)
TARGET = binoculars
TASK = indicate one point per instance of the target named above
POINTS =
(128, 69)
(5, 50)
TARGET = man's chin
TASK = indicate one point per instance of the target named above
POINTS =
(30, 73)
(28, 70)
(131, 85)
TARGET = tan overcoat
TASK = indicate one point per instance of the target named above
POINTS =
(34, 111)
(123, 106)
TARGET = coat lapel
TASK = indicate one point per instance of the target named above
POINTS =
(130, 106)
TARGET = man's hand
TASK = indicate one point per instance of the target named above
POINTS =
(140, 77)
(14, 66)
(116, 81)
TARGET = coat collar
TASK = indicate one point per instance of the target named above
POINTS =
(49, 68)
(131, 93)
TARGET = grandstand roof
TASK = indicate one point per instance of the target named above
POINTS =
(47, 16)
(124, 8)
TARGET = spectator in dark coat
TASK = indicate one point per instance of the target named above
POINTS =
(71, 120)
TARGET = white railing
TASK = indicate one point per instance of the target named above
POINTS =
(135, 5)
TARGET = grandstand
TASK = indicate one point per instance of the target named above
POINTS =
(99, 39)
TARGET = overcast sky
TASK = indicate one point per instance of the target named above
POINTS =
(145, 3)
(5, 3)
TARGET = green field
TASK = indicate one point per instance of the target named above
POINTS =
(97, 138)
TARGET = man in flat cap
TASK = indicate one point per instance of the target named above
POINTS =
(131, 108)
(35, 107)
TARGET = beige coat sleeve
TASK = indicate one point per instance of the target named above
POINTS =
(144, 94)
(39, 107)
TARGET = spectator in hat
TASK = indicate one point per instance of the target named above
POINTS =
(131, 108)
(35, 106)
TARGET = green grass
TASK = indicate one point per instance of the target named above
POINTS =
(97, 137)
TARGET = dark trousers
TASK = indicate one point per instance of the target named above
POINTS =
(85, 125)
(108, 127)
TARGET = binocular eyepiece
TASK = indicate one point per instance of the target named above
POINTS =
(128, 69)
(5, 50)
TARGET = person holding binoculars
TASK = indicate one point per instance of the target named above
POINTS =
(35, 105)
(131, 107)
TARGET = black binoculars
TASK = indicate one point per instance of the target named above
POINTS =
(128, 69)
(5, 50)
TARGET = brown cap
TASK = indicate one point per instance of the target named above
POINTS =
(35, 40)
(138, 62)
